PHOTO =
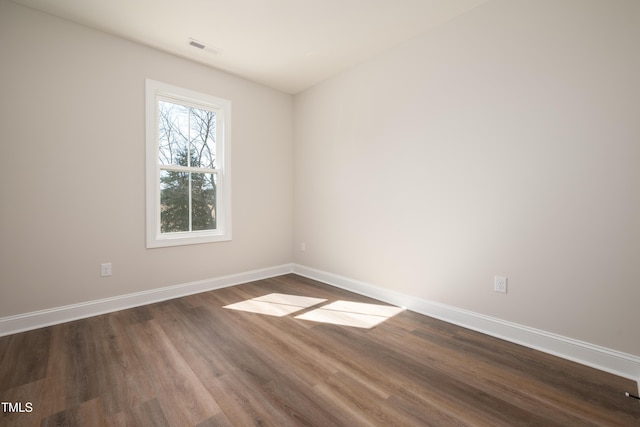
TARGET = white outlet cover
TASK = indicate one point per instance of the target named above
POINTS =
(105, 269)
(500, 284)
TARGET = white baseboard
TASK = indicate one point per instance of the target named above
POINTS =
(38, 319)
(608, 360)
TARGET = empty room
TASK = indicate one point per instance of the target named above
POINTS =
(324, 213)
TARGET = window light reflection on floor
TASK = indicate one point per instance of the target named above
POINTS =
(345, 313)
(276, 304)
(357, 314)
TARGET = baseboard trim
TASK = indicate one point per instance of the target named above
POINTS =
(38, 319)
(608, 360)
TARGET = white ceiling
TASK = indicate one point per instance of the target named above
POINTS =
(289, 45)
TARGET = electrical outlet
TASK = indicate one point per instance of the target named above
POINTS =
(105, 269)
(500, 284)
(303, 246)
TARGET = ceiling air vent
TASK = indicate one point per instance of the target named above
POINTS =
(196, 44)
(202, 46)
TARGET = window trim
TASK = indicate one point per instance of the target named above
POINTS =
(155, 91)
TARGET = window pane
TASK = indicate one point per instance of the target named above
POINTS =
(173, 133)
(203, 133)
(174, 201)
(203, 201)
(186, 131)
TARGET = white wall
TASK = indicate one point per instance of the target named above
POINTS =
(506, 142)
(72, 167)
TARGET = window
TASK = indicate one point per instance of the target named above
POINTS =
(188, 162)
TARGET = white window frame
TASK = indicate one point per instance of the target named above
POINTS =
(156, 91)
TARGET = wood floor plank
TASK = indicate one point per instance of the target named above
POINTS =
(219, 420)
(301, 355)
(192, 362)
(579, 380)
(499, 365)
(148, 413)
(184, 399)
(261, 368)
(89, 413)
(504, 377)
(452, 392)
(25, 358)
(122, 382)
(79, 357)
(27, 393)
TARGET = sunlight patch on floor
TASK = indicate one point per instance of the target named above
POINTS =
(356, 314)
(276, 304)
(345, 313)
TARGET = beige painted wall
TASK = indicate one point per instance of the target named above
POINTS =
(507, 142)
(72, 175)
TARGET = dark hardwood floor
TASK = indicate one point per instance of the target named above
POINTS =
(191, 362)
